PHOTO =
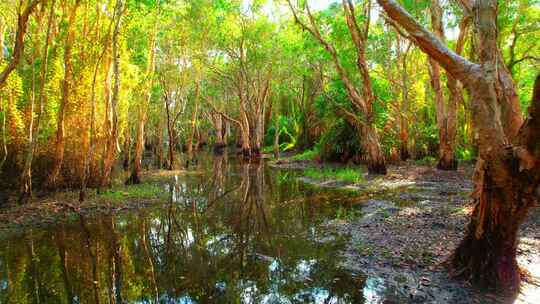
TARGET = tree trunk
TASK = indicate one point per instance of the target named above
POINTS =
(375, 158)
(66, 95)
(193, 123)
(112, 141)
(170, 156)
(3, 108)
(219, 145)
(446, 113)
(404, 104)
(127, 149)
(135, 177)
(244, 131)
(507, 176)
(26, 177)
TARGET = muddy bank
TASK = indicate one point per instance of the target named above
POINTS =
(408, 223)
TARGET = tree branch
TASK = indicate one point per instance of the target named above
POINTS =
(455, 64)
(18, 49)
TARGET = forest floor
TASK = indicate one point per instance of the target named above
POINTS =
(410, 221)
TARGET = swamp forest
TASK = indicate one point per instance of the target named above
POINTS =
(269, 151)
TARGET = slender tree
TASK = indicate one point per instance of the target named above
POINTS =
(361, 100)
(26, 175)
(67, 85)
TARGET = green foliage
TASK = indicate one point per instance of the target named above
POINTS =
(140, 191)
(464, 154)
(340, 142)
(310, 154)
(345, 174)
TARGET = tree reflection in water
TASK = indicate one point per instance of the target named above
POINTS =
(239, 233)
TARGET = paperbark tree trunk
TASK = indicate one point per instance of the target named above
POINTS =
(89, 159)
(127, 148)
(67, 84)
(112, 140)
(170, 131)
(3, 108)
(193, 123)
(135, 177)
(26, 176)
(446, 112)
(404, 104)
(219, 144)
(507, 176)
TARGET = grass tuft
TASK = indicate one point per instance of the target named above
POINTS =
(351, 175)
(306, 155)
(140, 191)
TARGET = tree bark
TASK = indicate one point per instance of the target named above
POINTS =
(170, 131)
(112, 140)
(90, 153)
(446, 113)
(193, 122)
(218, 123)
(135, 177)
(507, 176)
(66, 95)
(26, 176)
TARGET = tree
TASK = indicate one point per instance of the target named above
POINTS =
(26, 176)
(18, 49)
(66, 95)
(508, 170)
(361, 100)
(112, 140)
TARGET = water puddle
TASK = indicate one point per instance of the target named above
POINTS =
(235, 234)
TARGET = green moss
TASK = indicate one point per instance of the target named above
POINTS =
(347, 174)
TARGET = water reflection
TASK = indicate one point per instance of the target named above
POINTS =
(240, 233)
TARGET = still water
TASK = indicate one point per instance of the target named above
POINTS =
(234, 233)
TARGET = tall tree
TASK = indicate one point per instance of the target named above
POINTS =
(26, 175)
(67, 85)
(143, 108)
(112, 140)
(508, 169)
(362, 100)
(446, 111)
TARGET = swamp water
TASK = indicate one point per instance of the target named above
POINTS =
(228, 233)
